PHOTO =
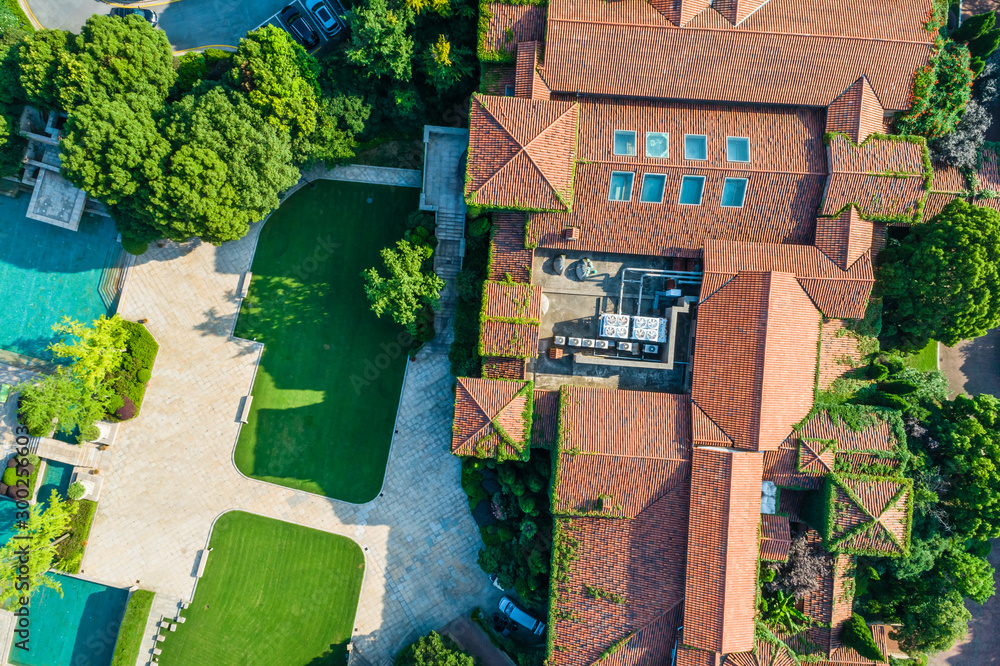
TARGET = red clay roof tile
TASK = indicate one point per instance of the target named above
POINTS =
(884, 178)
(489, 418)
(844, 238)
(510, 24)
(775, 537)
(873, 516)
(529, 84)
(508, 255)
(856, 113)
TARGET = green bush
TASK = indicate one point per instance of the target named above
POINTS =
(857, 635)
(480, 227)
(10, 477)
(129, 381)
(132, 629)
(877, 371)
(896, 365)
(472, 482)
(900, 387)
(433, 650)
(136, 247)
(882, 399)
(70, 551)
(76, 491)
(144, 375)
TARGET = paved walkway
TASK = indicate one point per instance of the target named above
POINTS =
(971, 365)
(173, 473)
(363, 173)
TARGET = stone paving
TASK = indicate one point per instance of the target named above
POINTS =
(173, 473)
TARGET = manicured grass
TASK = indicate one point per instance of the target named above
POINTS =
(70, 551)
(926, 359)
(273, 593)
(325, 397)
(133, 628)
(14, 8)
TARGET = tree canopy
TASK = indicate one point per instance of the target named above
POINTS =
(407, 289)
(433, 650)
(40, 56)
(940, 92)
(942, 282)
(380, 44)
(35, 534)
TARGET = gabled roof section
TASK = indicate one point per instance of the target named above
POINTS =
(521, 153)
(737, 11)
(845, 238)
(885, 178)
(527, 83)
(816, 456)
(492, 418)
(856, 113)
(755, 358)
(722, 550)
(775, 537)
(836, 292)
(507, 25)
(510, 320)
(789, 52)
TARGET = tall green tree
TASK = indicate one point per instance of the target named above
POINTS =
(380, 43)
(110, 148)
(32, 551)
(407, 289)
(40, 58)
(433, 650)
(225, 170)
(942, 282)
(95, 351)
(446, 66)
(112, 57)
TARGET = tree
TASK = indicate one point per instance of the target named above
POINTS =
(942, 281)
(61, 402)
(407, 289)
(979, 34)
(960, 148)
(802, 573)
(31, 552)
(194, 67)
(380, 45)
(940, 92)
(39, 59)
(112, 57)
(338, 121)
(11, 91)
(446, 66)
(278, 78)
(225, 170)
(110, 148)
(11, 146)
(433, 650)
(933, 623)
(96, 351)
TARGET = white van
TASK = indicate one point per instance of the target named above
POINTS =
(508, 608)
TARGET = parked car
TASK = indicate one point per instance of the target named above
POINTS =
(147, 14)
(326, 19)
(508, 608)
(299, 27)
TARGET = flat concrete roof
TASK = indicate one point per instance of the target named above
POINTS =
(56, 201)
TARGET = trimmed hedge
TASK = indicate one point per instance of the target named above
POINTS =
(132, 629)
(11, 478)
(858, 635)
(129, 382)
(70, 551)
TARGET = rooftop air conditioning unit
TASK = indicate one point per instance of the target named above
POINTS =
(559, 340)
(601, 344)
(575, 342)
(588, 342)
(650, 349)
(626, 346)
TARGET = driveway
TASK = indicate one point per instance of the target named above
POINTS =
(189, 24)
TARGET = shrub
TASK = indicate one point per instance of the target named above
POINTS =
(129, 382)
(940, 92)
(857, 635)
(479, 227)
(877, 371)
(144, 375)
(433, 650)
(70, 551)
(88, 433)
(882, 399)
(76, 491)
(900, 387)
(132, 246)
(10, 476)
(133, 628)
(127, 411)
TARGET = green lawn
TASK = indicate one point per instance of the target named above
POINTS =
(926, 359)
(325, 397)
(273, 593)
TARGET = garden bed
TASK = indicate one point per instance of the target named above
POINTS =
(133, 628)
(11, 477)
(129, 382)
(70, 551)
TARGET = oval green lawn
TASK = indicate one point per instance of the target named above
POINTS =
(273, 593)
(325, 396)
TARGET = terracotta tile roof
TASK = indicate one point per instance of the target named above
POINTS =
(781, 467)
(490, 418)
(545, 418)
(755, 358)
(788, 52)
(871, 515)
(496, 77)
(508, 339)
(650, 579)
(816, 456)
(878, 437)
(510, 320)
(705, 432)
(884, 178)
(844, 238)
(764, 654)
(989, 177)
(525, 22)
(508, 255)
(512, 301)
(690, 657)
(948, 179)
(935, 203)
(497, 367)
(857, 112)
(529, 84)
(835, 348)
(784, 179)
(834, 291)
(722, 550)
(775, 537)
(521, 153)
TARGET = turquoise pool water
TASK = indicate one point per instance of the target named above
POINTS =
(78, 629)
(48, 272)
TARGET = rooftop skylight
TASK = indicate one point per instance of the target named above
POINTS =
(621, 186)
(624, 142)
(652, 188)
(737, 149)
(691, 189)
(695, 147)
(657, 144)
(733, 192)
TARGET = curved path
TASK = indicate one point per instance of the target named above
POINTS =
(173, 472)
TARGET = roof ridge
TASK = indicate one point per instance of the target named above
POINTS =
(656, 618)
(479, 97)
(527, 151)
(627, 456)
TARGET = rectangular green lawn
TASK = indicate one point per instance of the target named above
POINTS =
(926, 359)
(325, 396)
(273, 594)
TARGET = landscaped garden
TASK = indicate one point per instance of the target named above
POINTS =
(272, 593)
(325, 396)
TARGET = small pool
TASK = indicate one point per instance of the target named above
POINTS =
(48, 272)
(79, 629)
(57, 476)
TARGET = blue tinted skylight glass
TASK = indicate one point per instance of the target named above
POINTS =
(691, 187)
(733, 191)
(652, 188)
(737, 149)
(624, 142)
(695, 147)
(621, 186)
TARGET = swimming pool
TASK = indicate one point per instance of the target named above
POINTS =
(48, 272)
(56, 476)
(79, 629)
